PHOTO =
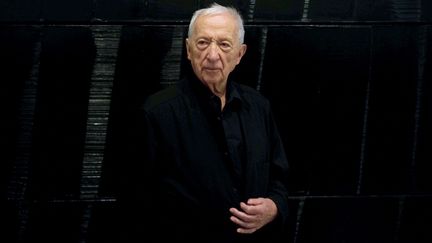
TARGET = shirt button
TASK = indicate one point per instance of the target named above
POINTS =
(226, 154)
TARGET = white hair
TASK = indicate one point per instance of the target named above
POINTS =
(218, 9)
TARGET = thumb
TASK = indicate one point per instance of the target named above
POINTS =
(254, 201)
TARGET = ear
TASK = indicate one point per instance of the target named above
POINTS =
(242, 51)
(187, 48)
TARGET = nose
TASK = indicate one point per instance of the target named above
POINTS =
(213, 52)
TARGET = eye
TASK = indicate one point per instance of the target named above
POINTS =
(225, 45)
(202, 44)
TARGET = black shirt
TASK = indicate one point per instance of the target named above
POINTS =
(228, 126)
(202, 160)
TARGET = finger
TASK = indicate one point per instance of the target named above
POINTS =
(243, 224)
(236, 212)
(241, 215)
(246, 231)
(250, 209)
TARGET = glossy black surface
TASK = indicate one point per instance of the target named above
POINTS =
(61, 110)
(349, 83)
(349, 220)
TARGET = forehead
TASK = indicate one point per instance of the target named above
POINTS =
(213, 25)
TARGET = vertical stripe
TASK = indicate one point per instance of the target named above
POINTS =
(263, 45)
(87, 215)
(251, 10)
(20, 172)
(170, 71)
(305, 16)
(299, 220)
(365, 118)
(422, 46)
(398, 223)
(106, 41)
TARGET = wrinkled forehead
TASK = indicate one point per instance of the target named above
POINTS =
(222, 23)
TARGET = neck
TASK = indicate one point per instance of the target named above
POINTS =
(217, 89)
(220, 91)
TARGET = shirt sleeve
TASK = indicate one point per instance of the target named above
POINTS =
(278, 172)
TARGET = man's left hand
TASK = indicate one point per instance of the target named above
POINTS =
(253, 214)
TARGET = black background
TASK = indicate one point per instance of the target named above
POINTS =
(349, 81)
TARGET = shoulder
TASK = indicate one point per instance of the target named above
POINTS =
(252, 96)
(161, 98)
(174, 100)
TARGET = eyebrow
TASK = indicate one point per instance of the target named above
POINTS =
(217, 39)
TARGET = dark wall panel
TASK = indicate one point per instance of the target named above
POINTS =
(20, 10)
(255, 39)
(347, 10)
(288, 83)
(340, 53)
(319, 103)
(54, 222)
(144, 54)
(426, 10)
(10, 210)
(349, 83)
(176, 10)
(61, 110)
(16, 61)
(76, 10)
(105, 224)
(164, 10)
(119, 10)
(422, 158)
(391, 119)
(416, 224)
(276, 10)
(351, 220)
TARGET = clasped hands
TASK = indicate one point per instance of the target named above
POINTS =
(253, 214)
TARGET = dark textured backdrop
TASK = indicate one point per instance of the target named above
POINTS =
(349, 80)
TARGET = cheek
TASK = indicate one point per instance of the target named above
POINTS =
(199, 57)
(231, 62)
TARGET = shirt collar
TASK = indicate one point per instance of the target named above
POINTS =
(233, 97)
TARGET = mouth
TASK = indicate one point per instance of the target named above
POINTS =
(211, 69)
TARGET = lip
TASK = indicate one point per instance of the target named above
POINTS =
(211, 69)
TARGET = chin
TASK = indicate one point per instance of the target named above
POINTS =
(212, 80)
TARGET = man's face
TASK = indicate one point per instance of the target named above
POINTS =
(214, 49)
